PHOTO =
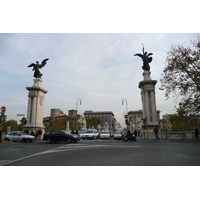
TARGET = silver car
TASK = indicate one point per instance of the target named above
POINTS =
(105, 135)
(118, 135)
(19, 136)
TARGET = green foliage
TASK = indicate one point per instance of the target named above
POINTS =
(181, 76)
(183, 122)
(58, 124)
(14, 126)
(93, 122)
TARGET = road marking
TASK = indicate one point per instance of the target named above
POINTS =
(67, 147)
(3, 161)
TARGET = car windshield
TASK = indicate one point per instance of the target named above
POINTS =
(105, 132)
(67, 132)
(118, 132)
(89, 131)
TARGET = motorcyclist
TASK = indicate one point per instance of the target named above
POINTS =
(129, 135)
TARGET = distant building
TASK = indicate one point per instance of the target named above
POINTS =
(55, 112)
(139, 114)
(75, 118)
(164, 123)
(135, 118)
(107, 117)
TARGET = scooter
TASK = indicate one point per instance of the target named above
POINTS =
(131, 137)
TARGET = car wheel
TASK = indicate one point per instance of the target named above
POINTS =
(48, 141)
(69, 140)
(24, 140)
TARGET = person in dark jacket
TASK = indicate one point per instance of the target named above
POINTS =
(129, 134)
(156, 132)
(196, 133)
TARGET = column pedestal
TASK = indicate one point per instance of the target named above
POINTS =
(35, 111)
(147, 87)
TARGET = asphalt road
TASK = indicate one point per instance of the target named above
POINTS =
(101, 153)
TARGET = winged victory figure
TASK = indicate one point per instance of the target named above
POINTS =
(146, 59)
(37, 66)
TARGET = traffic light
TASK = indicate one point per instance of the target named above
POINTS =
(4, 118)
(23, 121)
(126, 122)
(144, 120)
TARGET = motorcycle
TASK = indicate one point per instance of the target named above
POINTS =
(130, 137)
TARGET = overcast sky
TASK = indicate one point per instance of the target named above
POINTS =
(98, 68)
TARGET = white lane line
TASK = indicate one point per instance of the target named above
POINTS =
(3, 161)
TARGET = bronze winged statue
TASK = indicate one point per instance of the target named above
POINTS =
(37, 66)
(146, 59)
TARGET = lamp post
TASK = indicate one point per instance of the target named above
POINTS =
(181, 114)
(126, 114)
(124, 99)
(79, 100)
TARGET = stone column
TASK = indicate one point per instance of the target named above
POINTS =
(35, 106)
(147, 87)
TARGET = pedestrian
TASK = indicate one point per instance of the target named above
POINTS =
(135, 133)
(72, 132)
(196, 133)
(32, 133)
(156, 132)
(36, 134)
(26, 131)
(76, 132)
(40, 134)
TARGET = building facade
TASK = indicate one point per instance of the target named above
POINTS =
(55, 112)
(135, 118)
(107, 118)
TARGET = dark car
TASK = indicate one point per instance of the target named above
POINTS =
(60, 135)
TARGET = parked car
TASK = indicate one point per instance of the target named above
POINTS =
(90, 134)
(118, 134)
(105, 135)
(60, 135)
(19, 136)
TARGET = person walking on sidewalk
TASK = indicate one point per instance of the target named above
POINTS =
(156, 132)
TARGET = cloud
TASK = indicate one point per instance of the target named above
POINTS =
(99, 68)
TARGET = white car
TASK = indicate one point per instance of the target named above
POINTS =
(19, 136)
(104, 135)
(90, 134)
(117, 134)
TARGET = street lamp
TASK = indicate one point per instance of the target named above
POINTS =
(124, 99)
(181, 114)
(79, 100)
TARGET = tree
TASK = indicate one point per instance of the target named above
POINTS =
(92, 122)
(181, 76)
(13, 124)
(58, 124)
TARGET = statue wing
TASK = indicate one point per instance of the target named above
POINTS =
(32, 65)
(150, 59)
(140, 55)
(44, 62)
(150, 54)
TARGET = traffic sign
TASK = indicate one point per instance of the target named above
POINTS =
(3, 108)
(126, 116)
